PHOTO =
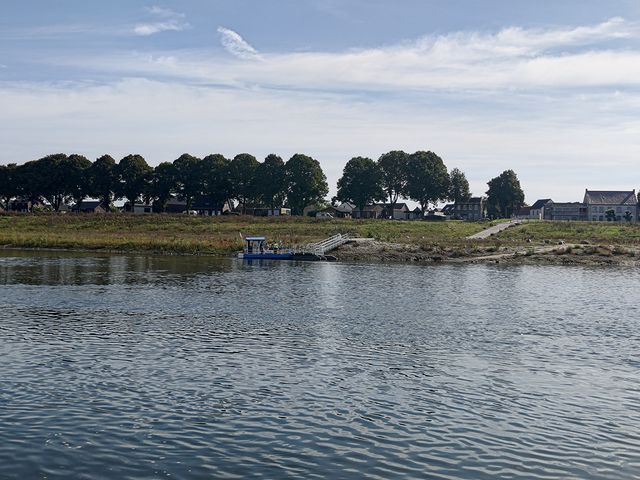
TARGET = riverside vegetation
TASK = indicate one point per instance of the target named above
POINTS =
(403, 241)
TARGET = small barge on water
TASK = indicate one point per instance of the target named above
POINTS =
(257, 248)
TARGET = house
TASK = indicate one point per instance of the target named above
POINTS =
(565, 211)
(174, 205)
(415, 214)
(275, 212)
(400, 211)
(139, 208)
(523, 213)
(369, 211)
(89, 206)
(473, 209)
(206, 207)
(623, 204)
(537, 209)
(339, 211)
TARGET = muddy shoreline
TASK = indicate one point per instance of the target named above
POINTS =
(368, 250)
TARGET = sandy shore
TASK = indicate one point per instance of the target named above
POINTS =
(368, 250)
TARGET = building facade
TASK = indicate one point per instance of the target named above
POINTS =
(602, 206)
(537, 209)
(473, 209)
(567, 211)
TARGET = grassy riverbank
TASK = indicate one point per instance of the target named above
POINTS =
(180, 234)
(398, 241)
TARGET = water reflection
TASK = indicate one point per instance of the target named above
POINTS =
(45, 268)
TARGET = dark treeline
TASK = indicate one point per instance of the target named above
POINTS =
(422, 177)
(272, 183)
(214, 179)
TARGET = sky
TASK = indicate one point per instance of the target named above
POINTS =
(550, 89)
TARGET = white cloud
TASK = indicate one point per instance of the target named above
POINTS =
(236, 45)
(511, 59)
(166, 20)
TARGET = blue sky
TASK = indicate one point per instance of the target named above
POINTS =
(548, 88)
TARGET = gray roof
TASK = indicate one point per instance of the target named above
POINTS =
(472, 200)
(540, 203)
(89, 205)
(601, 197)
(397, 206)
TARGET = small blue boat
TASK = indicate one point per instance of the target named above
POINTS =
(257, 248)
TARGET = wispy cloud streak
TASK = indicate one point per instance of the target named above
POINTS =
(165, 20)
(236, 45)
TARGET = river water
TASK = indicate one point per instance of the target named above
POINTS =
(135, 367)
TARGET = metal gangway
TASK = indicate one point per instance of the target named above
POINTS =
(321, 248)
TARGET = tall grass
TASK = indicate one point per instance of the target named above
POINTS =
(208, 235)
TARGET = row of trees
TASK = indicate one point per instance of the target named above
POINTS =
(424, 178)
(215, 179)
(298, 182)
(420, 176)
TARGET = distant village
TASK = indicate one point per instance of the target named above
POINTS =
(596, 206)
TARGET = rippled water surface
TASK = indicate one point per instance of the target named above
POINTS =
(125, 367)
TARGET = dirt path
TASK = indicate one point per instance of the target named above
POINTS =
(493, 230)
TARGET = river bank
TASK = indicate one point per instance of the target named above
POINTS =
(558, 243)
(369, 250)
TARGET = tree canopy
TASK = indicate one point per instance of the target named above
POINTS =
(216, 182)
(428, 180)
(271, 181)
(188, 175)
(103, 181)
(306, 182)
(361, 183)
(394, 166)
(242, 173)
(459, 187)
(505, 196)
(133, 174)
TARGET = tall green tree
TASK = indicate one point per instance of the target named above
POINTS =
(8, 184)
(505, 196)
(27, 179)
(394, 174)
(50, 179)
(459, 188)
(162, 184)
(133, 173)
(187, 176)
(306, 182)
(77, 178)
(242, 173)
(428, 180)
(103, 180)
(271, 180)
(361, 183)
(216, 184)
